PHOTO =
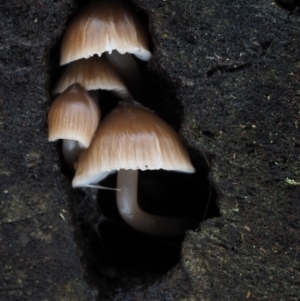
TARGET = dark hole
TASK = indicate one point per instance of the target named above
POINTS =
(227, 69)
(115, 255)
(169, 193)
(208, 134)
(112, 248)
(265, 45)
(289, 5)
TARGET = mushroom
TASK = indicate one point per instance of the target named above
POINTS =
(132, 137)
(108, 27)
(92, 74)
(104, 26)
(74, 117)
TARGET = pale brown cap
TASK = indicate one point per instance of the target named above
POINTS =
(74, 115)
(92, 74)
(105, 25)
(132, 137)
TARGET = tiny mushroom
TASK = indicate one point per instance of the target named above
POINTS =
(132, 137)
(74, 117)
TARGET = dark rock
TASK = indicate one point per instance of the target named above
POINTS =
(236, 72)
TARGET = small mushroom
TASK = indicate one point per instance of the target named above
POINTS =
(132, 137)
(92, 74)
(104, 26)
(74, 117)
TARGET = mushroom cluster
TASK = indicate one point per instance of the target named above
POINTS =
(98, 46)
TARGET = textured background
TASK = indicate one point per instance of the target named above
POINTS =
(235, 69)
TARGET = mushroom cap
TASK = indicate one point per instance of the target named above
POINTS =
(74, 115)
(104, 26)
(132, 137)
(92, 74)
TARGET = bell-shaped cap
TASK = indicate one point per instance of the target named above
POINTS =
(104, 25)
(74, 115)
(132, 137)
(92, 74)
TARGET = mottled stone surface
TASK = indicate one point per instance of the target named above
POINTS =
(235, 70)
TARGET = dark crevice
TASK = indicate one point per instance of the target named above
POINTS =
(227, 69)
(113, 249)
(113, 254)
(290, 5)
(208, 134)
(265, 46)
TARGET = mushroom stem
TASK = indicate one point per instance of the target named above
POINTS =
(71, 150)
(142, 221)
(128, 69)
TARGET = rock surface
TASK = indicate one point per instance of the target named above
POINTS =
(236, 70)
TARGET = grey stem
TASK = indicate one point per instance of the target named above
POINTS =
(142, 221)
(128, 69)
(71, 150)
